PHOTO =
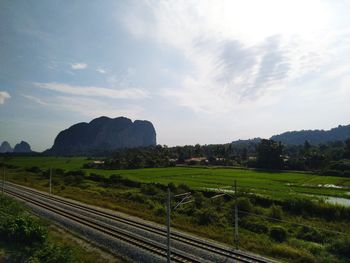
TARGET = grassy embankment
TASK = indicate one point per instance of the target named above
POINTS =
(26, 238)
(275, 198)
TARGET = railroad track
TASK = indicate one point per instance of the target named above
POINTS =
(125, 236)
(234, 255)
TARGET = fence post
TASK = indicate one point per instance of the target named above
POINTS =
(236, 237)
(3, 179)
(168, 226)
(50, 179)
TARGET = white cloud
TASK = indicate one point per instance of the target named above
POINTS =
(3, 96)
(95, 108)
(79, 66)
(239, 51)
(35, 99)
(131, 93)
(101, 70)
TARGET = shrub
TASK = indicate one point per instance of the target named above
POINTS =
(139, 198)
(59, 171)
(172, 187)
(278, 233)
(183, 188)
(150, 189)
(276, 212)
(75, 173)
(114, 179)
(254, 225)
(341, 247)
(24, 230)
(159, 210)
(9, 206)
(243, 204)
(49, 252)
(198, 199)
(74, 180)
(206, 216)
(96, 177)
(294, 255)
(54, 254)
(309, 234)
(34, 169)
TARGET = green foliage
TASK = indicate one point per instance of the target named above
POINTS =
(46, 253)
(148, 157)
(9, 207)
(292, 254)
(341, 247)
(243, 204)
(310, 234)
(276, 212)
(27, 238)
(150, 189)
(307, 207)
(159, 210)
(278, 233)
(254, 224)
(52, 253)
(206, 216)
(23, 230)
(269, 154)
(198, 199)
(34, 169)
(137, 197)
(172, 187)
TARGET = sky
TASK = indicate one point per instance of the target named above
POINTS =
(201, 71)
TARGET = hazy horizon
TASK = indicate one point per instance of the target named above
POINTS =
(201, 71)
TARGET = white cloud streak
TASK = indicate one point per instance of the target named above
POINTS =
(101, 70)
(35, 99)
(79, 66)
(3, 96)
(88, 91)
(238, 53)
(95, 108)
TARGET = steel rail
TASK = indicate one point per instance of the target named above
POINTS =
(237, 255)
(125, 236)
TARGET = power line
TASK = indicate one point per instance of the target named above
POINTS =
(288, 222)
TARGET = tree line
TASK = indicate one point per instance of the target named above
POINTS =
(332, 158)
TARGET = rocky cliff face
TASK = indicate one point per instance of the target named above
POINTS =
(104, 134)
(22, 147)
(5, 147)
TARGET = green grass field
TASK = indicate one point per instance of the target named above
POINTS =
(274, 184)
(326, 223)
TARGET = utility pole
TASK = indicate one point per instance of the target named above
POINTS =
(50, 179)
(236, 237)
(168, 226)
(3, 179)
(185, 200)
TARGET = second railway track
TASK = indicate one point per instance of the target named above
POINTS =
(213, 248)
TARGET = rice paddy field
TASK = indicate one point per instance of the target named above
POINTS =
(273, 184)
(314, 230)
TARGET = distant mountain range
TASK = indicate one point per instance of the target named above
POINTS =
(315, 137)
(103, 134)
(22, 147)
(340, 133)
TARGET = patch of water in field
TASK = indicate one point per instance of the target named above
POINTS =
(220, 190)
(323, 186)
(332, 199)
(338, 201)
